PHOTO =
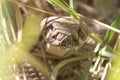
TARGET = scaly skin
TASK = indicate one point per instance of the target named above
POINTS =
(61, 36)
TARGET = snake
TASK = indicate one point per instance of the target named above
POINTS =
(61, 36)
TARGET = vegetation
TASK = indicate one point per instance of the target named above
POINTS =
(20, 32)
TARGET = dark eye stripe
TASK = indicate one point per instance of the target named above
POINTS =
(51, 26)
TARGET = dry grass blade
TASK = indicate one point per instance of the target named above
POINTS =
(19, 21)
(100, 23)
(33, 8)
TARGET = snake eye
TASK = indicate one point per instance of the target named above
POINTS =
(51, 26)
(54, 36)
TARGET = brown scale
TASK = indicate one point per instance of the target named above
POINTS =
(26, 71)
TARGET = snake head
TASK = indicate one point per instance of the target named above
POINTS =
(61, 35)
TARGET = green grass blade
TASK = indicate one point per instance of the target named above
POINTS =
(12, 52)
(71, 4)
(7, 36)
(110, 33)
(10, 19)
(63, 63)
(103, 51)
(7, 25)
(60, 4)
(31, 31)
(86, 73)
(113, 73)
(66, 8)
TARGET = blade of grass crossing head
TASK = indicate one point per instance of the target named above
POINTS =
(66, 8)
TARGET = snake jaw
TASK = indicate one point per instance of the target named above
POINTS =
(54, 50)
